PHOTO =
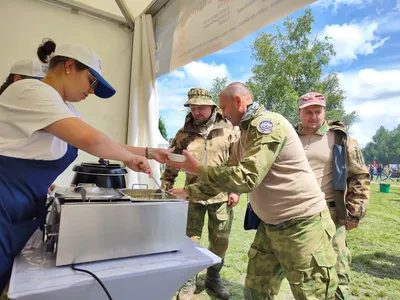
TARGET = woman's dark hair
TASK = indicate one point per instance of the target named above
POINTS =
(48, 47)
(9, 81)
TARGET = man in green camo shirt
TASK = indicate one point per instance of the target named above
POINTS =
(209, 137)
(347, 201)
(294, 237)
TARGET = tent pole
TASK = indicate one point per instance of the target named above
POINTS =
(126, 13)
(129, 93)
(89, 10)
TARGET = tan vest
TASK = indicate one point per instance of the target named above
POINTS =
(318, 149)
(290, 189)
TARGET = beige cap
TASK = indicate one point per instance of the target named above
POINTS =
(311, 99)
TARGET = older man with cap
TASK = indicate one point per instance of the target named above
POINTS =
(338, 165)
(25, 69)
(209, 137)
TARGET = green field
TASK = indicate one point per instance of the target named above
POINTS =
(375, 248)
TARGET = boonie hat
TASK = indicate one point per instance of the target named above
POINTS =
(199, 96)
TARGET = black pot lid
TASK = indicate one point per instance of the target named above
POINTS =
(103, 167)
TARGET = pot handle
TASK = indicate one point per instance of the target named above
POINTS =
(140, 184)
(103, 161)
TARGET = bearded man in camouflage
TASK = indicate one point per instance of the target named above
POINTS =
(209, 137)
(338, 165)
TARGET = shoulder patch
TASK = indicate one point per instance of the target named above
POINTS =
(265, 126)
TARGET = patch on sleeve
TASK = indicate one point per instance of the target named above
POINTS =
(265, 126)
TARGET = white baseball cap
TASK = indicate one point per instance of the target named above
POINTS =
(90, 59)
(30, 67)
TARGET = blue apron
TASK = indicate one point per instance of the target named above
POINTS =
(23, 194)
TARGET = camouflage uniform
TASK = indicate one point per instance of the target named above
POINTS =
(211, 144)
(299, 249)
(355, 197)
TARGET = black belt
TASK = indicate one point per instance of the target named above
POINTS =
(332, 204)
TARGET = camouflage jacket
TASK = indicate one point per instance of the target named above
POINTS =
(212, 147)
(356, 193)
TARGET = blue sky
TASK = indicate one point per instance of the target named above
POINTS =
(366, 37)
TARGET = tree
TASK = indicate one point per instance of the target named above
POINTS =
(163, 128)
(218, 85)
(289, 64)
(384, 147)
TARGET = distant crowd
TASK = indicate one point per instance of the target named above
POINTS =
(382, 173)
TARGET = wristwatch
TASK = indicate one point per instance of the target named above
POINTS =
(149, 153)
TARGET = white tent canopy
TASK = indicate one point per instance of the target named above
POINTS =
(186, 30)
(167, 34)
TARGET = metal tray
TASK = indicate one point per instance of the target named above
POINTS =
(90, 191)
(146, 195)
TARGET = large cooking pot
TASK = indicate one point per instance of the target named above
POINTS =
(103, 174)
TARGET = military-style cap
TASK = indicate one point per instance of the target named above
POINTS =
(311, 99)
(199, 96)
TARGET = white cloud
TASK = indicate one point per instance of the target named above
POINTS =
(375, 95)
(337, 3)
(202, 74)
(372, 115)
(352, 40)
(389, 21)
(228, 51)
(371, 84)
(177, 74)
(397, 7)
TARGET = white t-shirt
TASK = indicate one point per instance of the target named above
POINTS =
(26, 107)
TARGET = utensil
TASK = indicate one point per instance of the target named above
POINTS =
(163, 193)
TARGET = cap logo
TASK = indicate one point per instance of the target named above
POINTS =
(45, 68)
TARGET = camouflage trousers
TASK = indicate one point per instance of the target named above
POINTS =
(342, 266)
(220, 217)
(300, 250)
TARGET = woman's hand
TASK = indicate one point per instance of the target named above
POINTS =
(139, 164)
(160, 154)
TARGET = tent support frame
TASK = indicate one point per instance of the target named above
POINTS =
(76, 6)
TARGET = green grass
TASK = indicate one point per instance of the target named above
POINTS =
(375, 248)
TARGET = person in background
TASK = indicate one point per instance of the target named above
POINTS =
(40, 134)
(294, 235)
(25, 69)
(371, 172)
(379, 170)
(209, 137)
(329, 148)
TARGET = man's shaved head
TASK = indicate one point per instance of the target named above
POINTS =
(233, 101)
(237, 89)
